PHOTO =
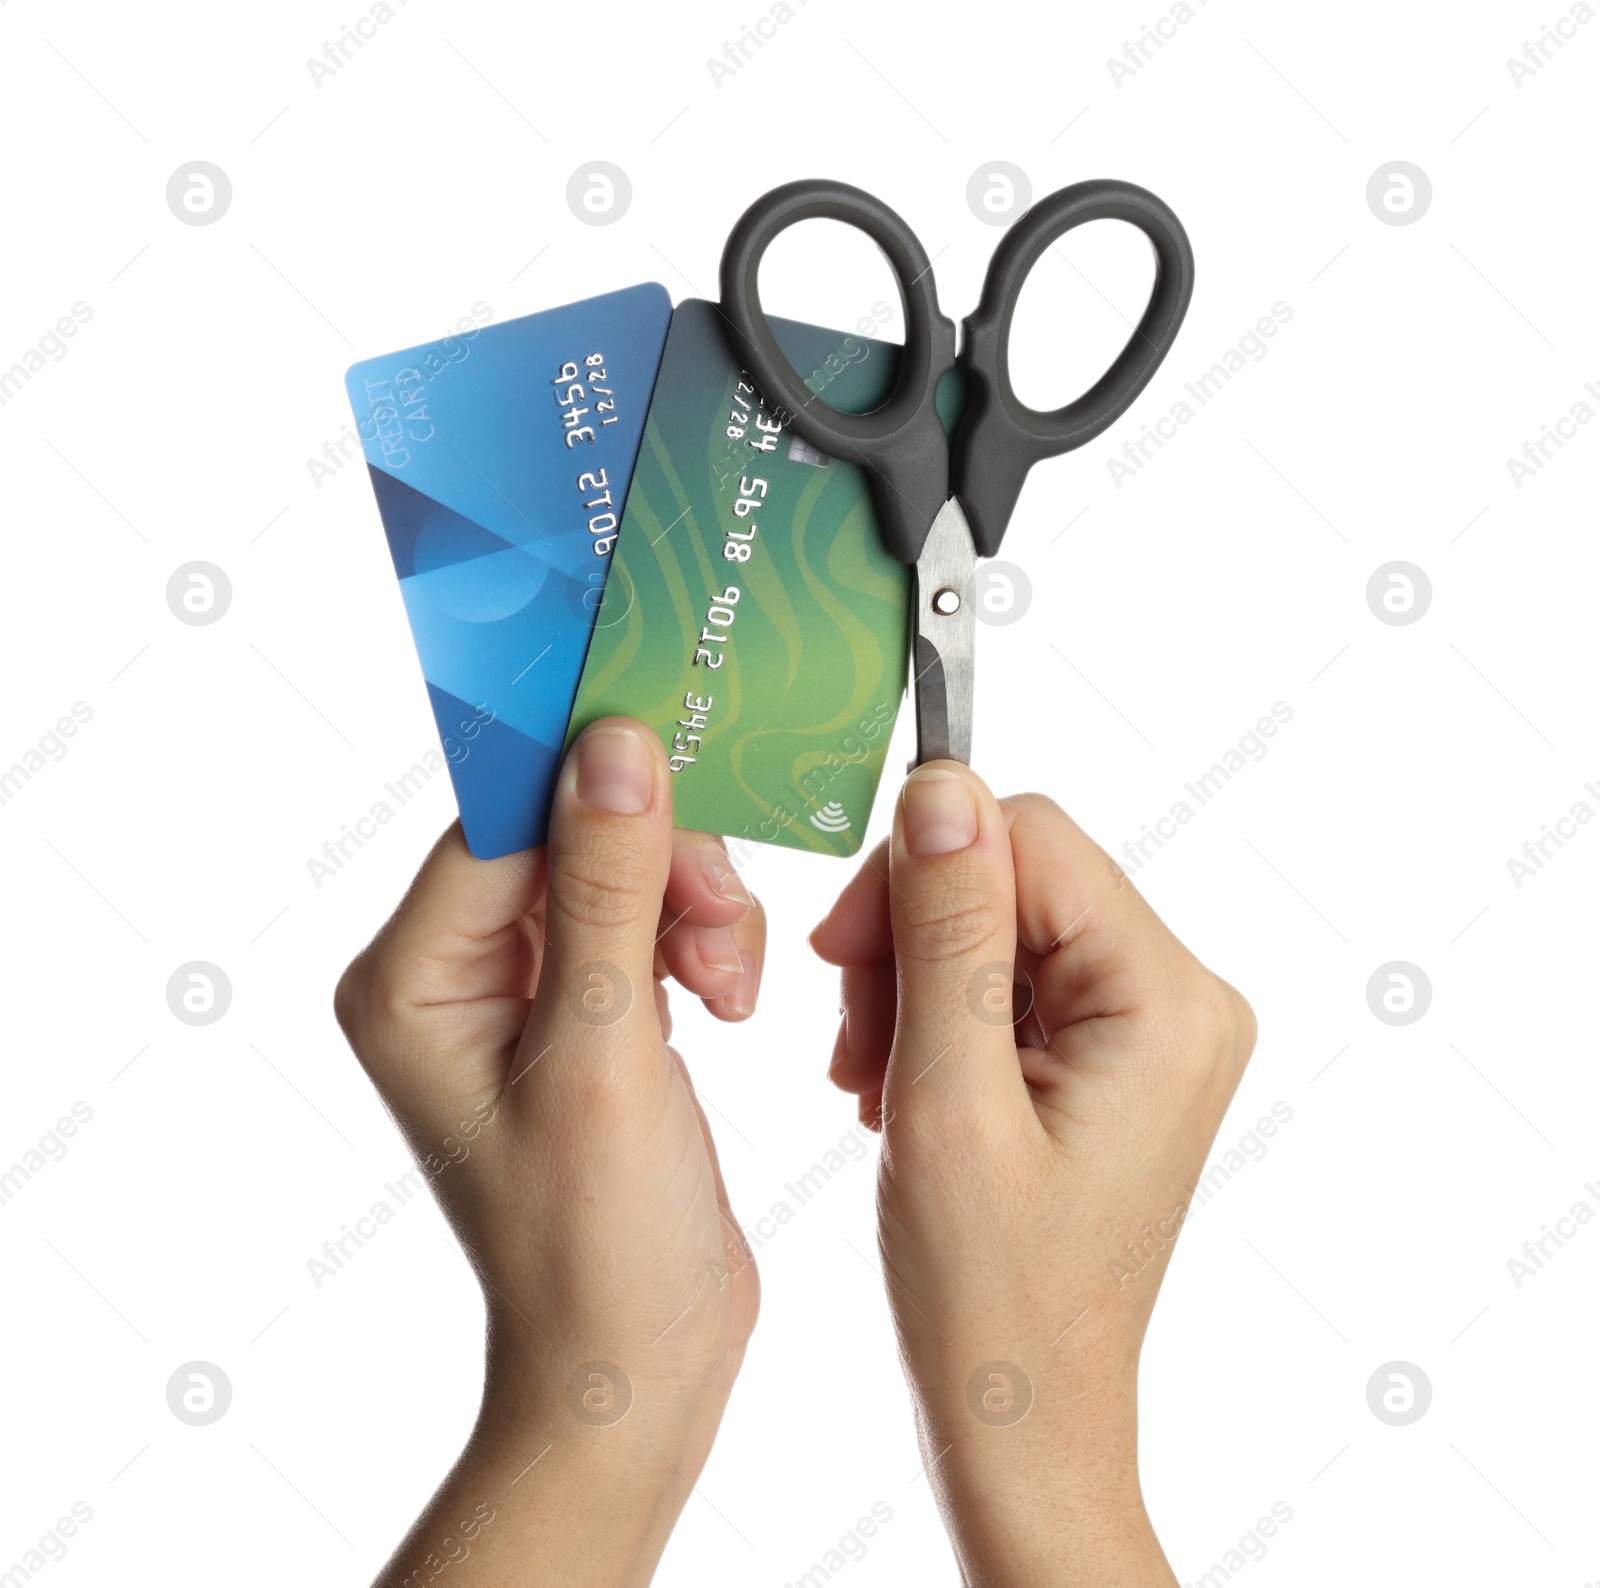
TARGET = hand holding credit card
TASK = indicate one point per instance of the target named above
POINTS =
(753, 616)
(501, 461)
(778, 732)
(783, 541)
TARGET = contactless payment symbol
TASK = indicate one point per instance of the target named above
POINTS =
(832, 818)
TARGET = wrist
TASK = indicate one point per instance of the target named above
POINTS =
(552, 1498)
(1068, 1530)
(1037, 1479)
(1038, 1518)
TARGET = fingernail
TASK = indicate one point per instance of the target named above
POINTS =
(719, 872)
(742, 1000)
(615, 771)
(840, 1048)
(717, 948)
(941, 812)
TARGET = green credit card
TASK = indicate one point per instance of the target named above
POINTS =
(751, 615)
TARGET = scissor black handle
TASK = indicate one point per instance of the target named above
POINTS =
(1001, 438)
(902, 441)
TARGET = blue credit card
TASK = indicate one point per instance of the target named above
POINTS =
(501, 459)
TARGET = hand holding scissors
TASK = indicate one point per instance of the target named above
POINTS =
(941, 504)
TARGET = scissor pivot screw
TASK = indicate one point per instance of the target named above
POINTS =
(946, 602)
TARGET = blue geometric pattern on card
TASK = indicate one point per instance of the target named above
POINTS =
(498, 757)
(500, 459)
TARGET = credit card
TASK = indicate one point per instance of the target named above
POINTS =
(501, 460)
(752, 616)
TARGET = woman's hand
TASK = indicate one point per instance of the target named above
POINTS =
(512, 1016)
(1049, 1066)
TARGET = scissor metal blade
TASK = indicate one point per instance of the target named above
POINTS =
(942, 661)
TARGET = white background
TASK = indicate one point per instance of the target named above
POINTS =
(430, 172)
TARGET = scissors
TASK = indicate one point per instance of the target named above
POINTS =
(942, 503)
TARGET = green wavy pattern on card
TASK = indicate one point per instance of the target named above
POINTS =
(815, 658)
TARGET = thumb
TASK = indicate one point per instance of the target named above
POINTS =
(952, 904)
(608, 857)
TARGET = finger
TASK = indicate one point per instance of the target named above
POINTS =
(857, 931)
(609, 853)
(463, 928)
(705, 898)
(866, 1027)
(1030, 1028)
(858, 936)
(704, 960)
(1126, 1010)
(750, 944)
(465, 932)
(1102, 951)
(704, 886)
(952, 903)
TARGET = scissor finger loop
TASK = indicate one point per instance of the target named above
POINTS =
(943, 502)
